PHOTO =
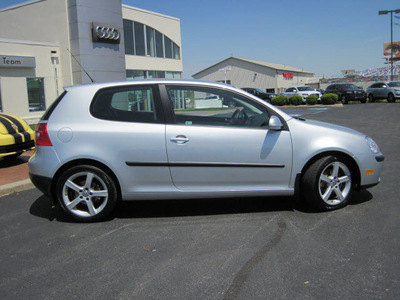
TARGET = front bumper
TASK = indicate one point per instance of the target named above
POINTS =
(371, 166)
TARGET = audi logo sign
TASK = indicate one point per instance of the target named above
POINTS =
(105, 34)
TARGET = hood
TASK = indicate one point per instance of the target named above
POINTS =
(333, 127)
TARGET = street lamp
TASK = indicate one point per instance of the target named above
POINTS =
(225, 70)
(385, 12)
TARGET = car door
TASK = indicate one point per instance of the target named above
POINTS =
(226, 145)
(132, 127)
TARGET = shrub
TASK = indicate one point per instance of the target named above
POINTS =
(295, 100)
(279, 100)
(312, 99)
(329, 99)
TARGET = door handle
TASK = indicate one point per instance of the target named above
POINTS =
(179, 139)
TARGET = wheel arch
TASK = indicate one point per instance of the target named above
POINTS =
(78, 162)
(352, 164)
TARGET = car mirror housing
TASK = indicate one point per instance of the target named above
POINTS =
(275, 123)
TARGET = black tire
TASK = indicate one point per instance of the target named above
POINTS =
(363, 100)
(343, 99)
(391, 98)
(371, 98)
(327, 184)
(86, 193)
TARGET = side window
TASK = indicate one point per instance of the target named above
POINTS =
(199, 106)
(126, 104)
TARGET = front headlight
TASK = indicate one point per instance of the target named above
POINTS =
(372, 145)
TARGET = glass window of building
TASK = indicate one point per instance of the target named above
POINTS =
(128, 37)
(36, 97)
(150, 38)
(177, 54)
(141, 74)
(140, 46)
(135, 74)
(159, 44)
(142, 40)
(168, 47)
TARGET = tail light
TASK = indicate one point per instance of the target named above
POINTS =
(41, 135)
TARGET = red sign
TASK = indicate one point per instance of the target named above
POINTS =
(391, 50)
(288, 75)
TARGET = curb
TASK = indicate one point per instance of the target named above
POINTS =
(14, 187)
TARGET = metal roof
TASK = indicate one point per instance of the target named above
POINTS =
(261, 63)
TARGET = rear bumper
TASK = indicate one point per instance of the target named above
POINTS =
(42, 183)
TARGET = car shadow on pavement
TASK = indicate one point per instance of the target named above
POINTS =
(13, 161)
(43, 207)
(201, 207)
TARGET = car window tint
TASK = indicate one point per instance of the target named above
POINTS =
(132, 104)
(213, 107)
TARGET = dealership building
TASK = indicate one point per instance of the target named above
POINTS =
(270, 77)
(48, 44)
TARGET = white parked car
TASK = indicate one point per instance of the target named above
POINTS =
(303, 91)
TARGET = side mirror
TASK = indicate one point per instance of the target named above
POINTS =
(275, 123)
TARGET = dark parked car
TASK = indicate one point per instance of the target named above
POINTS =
(347, 92)
(384, 90)
(260, 94)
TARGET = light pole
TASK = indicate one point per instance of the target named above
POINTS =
(225, 70)
(385, 12)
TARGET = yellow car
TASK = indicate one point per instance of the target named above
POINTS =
(15, 136)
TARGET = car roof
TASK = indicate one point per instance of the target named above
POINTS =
(100, 85)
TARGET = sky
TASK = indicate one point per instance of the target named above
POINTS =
(323, 37)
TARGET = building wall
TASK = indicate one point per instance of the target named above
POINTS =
(102, 61)
(168, 26)
(42, 21)
(13, 80)
(58, 35)
(241, 73)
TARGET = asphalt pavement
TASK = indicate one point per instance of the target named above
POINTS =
(245, 248)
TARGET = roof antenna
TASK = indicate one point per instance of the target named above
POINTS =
(81, 66)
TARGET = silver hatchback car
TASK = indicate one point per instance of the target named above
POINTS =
(179, 139)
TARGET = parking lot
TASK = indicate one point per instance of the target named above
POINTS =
(258, 248)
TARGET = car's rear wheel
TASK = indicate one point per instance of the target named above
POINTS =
(371, 98)
(343, 99)
(327, 184)
(363, 100)
(87, 193)
(391, 98)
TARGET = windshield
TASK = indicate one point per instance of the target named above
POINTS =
(394, 84)
(305, 88)
(350, 86)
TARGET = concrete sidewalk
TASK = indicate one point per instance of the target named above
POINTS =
(14, 174)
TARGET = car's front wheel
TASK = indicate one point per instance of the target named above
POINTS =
(327, 184)
(86, 193)
(371, 98)
(343, 99)
(391, 98)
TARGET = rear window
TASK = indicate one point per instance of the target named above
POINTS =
(127, 104)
